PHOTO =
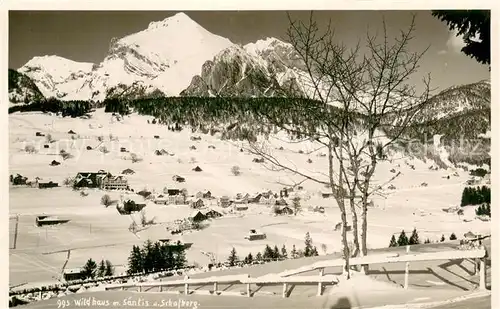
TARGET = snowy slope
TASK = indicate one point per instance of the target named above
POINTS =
(164, 56)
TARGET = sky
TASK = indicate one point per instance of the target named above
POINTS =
(85, 35)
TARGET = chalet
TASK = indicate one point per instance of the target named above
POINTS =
(240, 207)
(39, 134)
(46, 185)
(54, 163)
(176, 199)
(197, 169)
(255, 235)
(71, 132)
(172, 192)
(49, 220)
(255, 199)
(73, 274)
(89, 179)
(110, 182)
(145, 194)
(198, 216)
(207, 195)
(18, 180)
(197, 204)
(212, 214)
(161, 199)
(284, 211)
(281, 202)
(284, 193)
(128, 171)
(224, 201)
(178, 178)
(240, 201)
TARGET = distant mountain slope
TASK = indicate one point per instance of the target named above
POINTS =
(22, 89)
(163, 57)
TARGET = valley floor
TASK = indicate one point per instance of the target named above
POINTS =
(39, 254)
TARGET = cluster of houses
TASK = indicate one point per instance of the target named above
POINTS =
(101, 179)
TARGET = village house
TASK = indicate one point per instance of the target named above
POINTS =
(212, 214)
(73, 274)
(110, 182)
(47, 185)
(161, 199)
(197, 204)
(281, 202)
(89, 179)
(224, 201)
(178, 178)
(285, 210)
(198, 216)
(240, 207)
(255, 199)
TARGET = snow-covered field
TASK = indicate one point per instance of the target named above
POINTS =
(98, 232)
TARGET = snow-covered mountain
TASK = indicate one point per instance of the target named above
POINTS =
(164, 57)
(265, 68)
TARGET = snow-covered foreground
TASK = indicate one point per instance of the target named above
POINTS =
(98, 232)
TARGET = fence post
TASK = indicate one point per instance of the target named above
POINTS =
(248, 288)
(407, 269)
(186, 285)
(139, 288)
(215, 287)
(482, 274)
(284, 289)
(320, 285)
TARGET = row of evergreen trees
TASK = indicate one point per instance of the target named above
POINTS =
(91, 270)
(66, 108)
(484, 210)
(274, 254)
(476, 196)
(403, 240)
(154, 257)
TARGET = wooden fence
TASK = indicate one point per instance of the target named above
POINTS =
(291, 276)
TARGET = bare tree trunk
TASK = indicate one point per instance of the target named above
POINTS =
(354, 224)
(338, 193)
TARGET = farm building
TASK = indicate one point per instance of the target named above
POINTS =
(73, 274)
(128, 171)
(212, 214)
(39, 134)
(178, 178)
(176, 200)
(18, 180)
(46, 185)
(197, 204)
(284, 211)
(161, 199)
(197, 169)
(281, 202)
(255, 235)
(224, 201)
(172, 191)
(206, 194)
(71, 132)
(49, 220)
(54, 163)
(198, 216)
(240, 207)
(89, 179)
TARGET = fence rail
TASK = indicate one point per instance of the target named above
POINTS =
(290, 276)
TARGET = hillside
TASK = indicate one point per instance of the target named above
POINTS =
(22, 89)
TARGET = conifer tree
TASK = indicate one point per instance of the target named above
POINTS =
(427, 241)
(180, 258)
(284, 254)
(258, 257)
(110, 270)
(308, 245)
(314, 251)
(89, 269)
(249, 258)
(135, 261)
(276, 252)
(293, 253)
(101, 270)
(453, 236)
(148, 255)
(268, 253)
(403, 240)
(393, 242)
(233, 258)
(442, 238)
(414, 238)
